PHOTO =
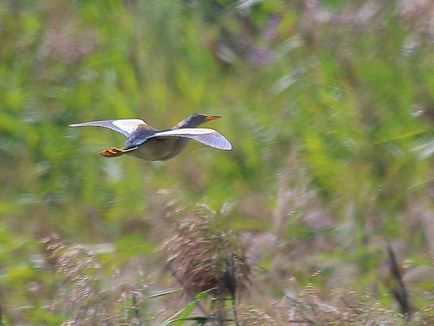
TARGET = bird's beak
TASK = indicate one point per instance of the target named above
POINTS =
(212, 117)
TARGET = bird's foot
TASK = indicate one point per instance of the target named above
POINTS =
(112, 152)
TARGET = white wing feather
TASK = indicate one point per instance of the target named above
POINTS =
(123, 126)
(205, 136)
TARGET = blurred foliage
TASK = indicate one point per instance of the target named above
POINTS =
(329, 106)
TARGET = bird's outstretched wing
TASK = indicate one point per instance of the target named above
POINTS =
(205, 136)
(123, 126)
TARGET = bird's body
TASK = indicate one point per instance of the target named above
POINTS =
(160, 149)
(147, 143)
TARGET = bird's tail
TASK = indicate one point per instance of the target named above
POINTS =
(112, 152)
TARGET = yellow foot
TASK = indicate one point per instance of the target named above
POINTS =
(112, 152)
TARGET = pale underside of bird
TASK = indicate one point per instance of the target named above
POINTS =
(145, 142)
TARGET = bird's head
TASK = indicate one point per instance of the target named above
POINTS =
(195, 120)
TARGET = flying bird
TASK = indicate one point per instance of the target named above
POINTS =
(148, 143)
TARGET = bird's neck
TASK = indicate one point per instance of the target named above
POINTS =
(186, 124)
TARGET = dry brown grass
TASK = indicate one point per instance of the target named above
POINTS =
(203, 258)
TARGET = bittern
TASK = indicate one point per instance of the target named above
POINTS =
(147, 143)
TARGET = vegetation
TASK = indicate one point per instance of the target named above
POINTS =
(322, 214)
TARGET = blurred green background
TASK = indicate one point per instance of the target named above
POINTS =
(329, 106)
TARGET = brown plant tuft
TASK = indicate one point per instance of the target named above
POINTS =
(81, 295)
(204, 258)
